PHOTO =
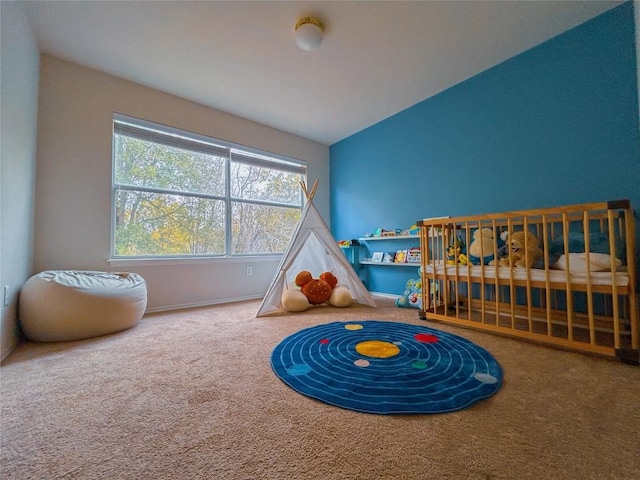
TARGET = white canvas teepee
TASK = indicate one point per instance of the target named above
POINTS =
(312, 248)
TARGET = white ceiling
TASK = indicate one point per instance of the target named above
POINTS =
(377, 58)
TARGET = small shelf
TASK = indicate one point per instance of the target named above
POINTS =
(388, 279)
(390, 237)
(390, 264)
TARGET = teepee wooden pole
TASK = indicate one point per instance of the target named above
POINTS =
(307, 193)
(313, 190)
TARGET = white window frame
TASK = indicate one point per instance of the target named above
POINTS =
(192, 141)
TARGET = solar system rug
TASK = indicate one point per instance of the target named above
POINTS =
(386, 367)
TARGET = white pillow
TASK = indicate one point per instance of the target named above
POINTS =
(578, 262)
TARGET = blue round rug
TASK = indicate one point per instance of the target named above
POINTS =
(386, 367)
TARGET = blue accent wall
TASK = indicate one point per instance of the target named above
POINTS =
(555, 125)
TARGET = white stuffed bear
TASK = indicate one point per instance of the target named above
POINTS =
(340, 297)
(481, 248)
(578, 262)
(293, 300)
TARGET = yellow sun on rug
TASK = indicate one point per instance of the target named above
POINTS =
(377, 349)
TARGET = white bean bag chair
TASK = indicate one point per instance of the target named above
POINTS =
(62, 305)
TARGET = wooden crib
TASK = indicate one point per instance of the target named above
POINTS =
(579, 293)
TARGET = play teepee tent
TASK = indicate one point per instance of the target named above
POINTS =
(312, 248)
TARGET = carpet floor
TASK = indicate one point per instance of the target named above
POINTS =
(191, 395)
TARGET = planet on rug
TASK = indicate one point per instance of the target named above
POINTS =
(386, 367)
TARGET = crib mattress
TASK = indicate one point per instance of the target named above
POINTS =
(537, 276)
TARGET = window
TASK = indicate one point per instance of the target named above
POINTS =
(177, 194)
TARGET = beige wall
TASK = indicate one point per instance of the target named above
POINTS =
(73, 183)
(18, 110)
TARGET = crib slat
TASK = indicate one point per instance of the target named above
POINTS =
(547, 289)
(496, 286)
(587, 249)
(527, 251)
(614, 284)
(630, 228)
(482, 278)
(512, 288)
(568, 290)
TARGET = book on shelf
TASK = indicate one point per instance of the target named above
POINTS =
(389, 257)
(377, 257)
(401, 256)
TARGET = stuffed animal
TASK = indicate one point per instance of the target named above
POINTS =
(303, 277)
(329, 278)
(315, 292)
(517, 257)
(503, 247)
(454, 251)
(340, 297)
(578, 262)
(481, 248)
(598, 243)
(412, 297)
(293, 300)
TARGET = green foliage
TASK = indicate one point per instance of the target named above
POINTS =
(187, 215)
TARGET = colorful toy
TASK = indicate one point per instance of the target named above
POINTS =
(454, 251)
(412, 296)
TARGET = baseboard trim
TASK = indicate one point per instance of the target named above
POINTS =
(236, 299)
(202, 304)
(385, 295)
(8, 351)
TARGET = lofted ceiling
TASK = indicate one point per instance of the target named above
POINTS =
(377, 57)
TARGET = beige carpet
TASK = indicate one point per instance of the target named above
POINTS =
(191, 395)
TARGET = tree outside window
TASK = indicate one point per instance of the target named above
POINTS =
(176, 196)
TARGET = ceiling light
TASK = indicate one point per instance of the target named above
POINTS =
(308, 33)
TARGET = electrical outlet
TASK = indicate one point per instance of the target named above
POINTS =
(5, 300)
(249, 271)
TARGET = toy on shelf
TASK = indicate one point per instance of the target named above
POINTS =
(349, 243)
(412, 230)
(398, 232)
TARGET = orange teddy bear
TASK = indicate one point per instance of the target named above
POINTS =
(316, 290)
